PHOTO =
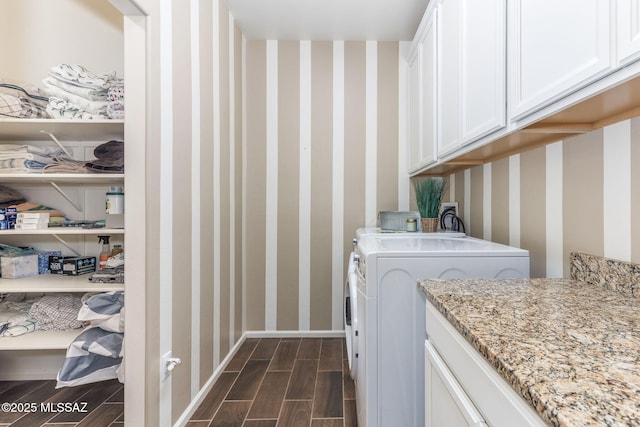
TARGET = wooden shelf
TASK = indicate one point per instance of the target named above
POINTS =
(40, 340)
(65, 231)
(56, 283)
(76, 179)
(64, 130)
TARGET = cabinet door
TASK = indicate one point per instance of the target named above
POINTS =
(471, 70)
(483, 79)
(415, 110)
(449, 72)
(556, 47)
(429, 101)
(446, 403)
(628, 21)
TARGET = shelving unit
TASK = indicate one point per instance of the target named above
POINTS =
(79, 133)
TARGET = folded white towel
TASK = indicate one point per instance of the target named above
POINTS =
(78, 75)
(61, 109)
(93, 107)
(91, 94)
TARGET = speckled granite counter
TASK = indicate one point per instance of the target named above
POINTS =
(569, 348)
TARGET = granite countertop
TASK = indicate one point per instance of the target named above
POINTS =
(569, 348)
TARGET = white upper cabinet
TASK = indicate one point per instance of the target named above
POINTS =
(429, 92)
(484, 68)
(422, 94)
(449, 75)
(415, 102)
(555, 47)
(471, 70)
(628, 20)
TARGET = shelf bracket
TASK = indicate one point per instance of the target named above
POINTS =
(52, 136)
(67, 198)
(61, 240)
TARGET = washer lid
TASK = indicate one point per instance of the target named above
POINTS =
(435, 247)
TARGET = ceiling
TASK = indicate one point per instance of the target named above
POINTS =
(382, 20)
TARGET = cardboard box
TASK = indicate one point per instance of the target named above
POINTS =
(114, 221)
(43, 260)
(14, 267)
(72, 265)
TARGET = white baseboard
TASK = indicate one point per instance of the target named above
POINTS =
(294, 334)
(199, 397)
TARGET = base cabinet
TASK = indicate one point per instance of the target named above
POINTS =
(462, 388)
(446, 403)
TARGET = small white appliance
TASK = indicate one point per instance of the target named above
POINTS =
(385, 312)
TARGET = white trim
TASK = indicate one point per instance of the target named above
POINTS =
(271, 226)
(404, 184)
(467, 200)
(554, 211)
(135, 58)
(295, 334)
(514, 200)
(371, 134)
(337, 216)
(216, 185)
(486, 201)
(232, 182)
(244, 184)
(166, 199)
(617, 191)
(195, 197)
(304, 213)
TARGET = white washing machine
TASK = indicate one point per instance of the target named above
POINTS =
(385, 338)
(350, 289)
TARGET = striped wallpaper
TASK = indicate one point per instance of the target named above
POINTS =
(194, 200)
(580, 194)
(267, 155)
(322, 159)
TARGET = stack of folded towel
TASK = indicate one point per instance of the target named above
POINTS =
(26, 158)
(109, 159)
(76, 93)
(22, 102)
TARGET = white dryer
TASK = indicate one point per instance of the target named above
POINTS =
(351, 284)
(386, 348)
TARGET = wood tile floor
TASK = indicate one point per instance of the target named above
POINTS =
(272, 382)
(96, 405)
(297, 382)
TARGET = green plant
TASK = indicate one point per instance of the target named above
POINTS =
(429, 194)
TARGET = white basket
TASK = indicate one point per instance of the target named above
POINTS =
(397, 220)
